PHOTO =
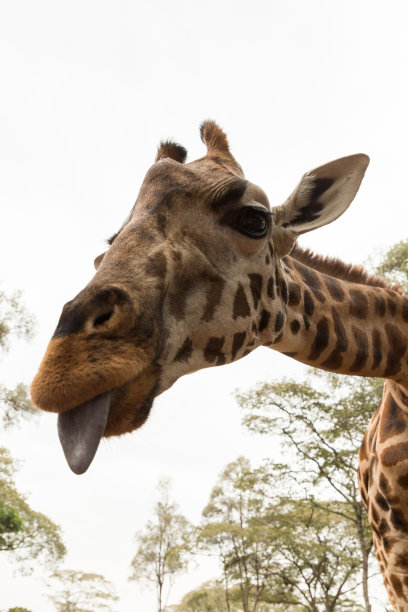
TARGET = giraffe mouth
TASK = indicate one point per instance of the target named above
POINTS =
(112, 413)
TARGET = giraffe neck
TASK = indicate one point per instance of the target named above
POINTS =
(341, 326)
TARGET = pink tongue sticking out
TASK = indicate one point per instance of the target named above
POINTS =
(81, 429)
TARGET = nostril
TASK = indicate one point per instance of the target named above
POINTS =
(102, 318)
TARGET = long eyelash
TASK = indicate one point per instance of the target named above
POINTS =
(112, 238)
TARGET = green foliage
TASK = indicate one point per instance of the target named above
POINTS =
(18, 609)
(320, 423)
(77, 591)
(14, 322)
(25, 534)
(394, 264)
(275, 547)
(163, 546)
(14, 319)
(10, 523)
(209, 597)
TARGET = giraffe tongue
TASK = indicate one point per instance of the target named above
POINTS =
(80, 431)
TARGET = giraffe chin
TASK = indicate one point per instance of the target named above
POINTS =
(113, 413)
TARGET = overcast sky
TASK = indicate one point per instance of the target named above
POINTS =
(88, 90)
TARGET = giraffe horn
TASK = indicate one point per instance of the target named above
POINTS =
(214, 137)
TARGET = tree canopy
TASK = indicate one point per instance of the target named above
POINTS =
(76, 591)
(26, 535)
(163, 546)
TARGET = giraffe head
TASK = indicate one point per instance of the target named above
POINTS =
(192, 279)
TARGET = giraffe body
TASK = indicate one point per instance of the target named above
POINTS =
(202, 272)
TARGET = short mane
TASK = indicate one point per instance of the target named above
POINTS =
(337, 268)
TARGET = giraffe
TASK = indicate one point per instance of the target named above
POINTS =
(202, 272)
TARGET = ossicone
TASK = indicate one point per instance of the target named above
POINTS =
(213, 137)
(167, 148)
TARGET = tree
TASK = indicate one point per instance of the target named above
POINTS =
(25, 534)
(232, 529)
(394, 264)
(209, 597)
(78, 591)
(14, 322)
(277, 550)
(163, 546)
(323, 419)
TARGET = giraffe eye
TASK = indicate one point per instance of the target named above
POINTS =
(251, 221)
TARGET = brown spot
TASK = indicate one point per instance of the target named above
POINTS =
(383, 527)
(358, 304)
(264, 320)
(289, 353)
(306, 322)
(237, 343)
(362, 349)
(161, 223)
(267, 259)
(379, 305)
(255, 283)
(308, 303)
(403, 481)
(270, 248)
(398, 520)
(388, 543)
(184, 352)
(397, 585)
(283, 290)
(213, 297)
(375, 517)
(312, 280)
(402, 560)
(294, 294)
(335, 359)
(295, 326)
(405, 309)
(270, 288)
(212, 351)
(383, 484)
(279, 322)
(178, 296)
(398, 345)
(392, 420)
(394, 454)
(382, 502)
(376, 348)
(321, 340)
(241, 306)
(392, 306)
(334, 288)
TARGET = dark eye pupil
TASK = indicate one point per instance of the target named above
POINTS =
(253, 221)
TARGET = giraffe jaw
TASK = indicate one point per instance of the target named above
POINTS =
(115, 412)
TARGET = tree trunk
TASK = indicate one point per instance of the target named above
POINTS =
(159, 596)
(364, 553)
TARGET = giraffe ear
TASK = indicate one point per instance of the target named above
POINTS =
(97, 260)
(322, 195)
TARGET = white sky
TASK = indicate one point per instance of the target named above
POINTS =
(88, 88)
